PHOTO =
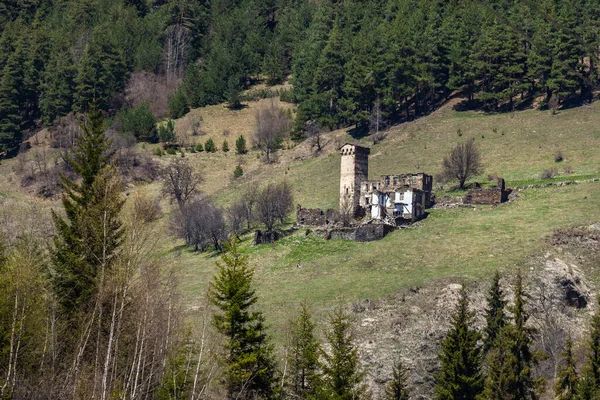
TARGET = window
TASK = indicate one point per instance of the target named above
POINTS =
(346, 190)
(387, 180)
(395, 180)
(414, 180)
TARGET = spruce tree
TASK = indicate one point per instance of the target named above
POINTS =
(495, 317)
(240, 145)
(89, 237)
(10, 98)
(589, 382)
(566, 379)
(460, 376)
(511, 360)
(225, 146)
(56, 98)
(397, 389)
(304, 356)
(342, 374)
(250, 369)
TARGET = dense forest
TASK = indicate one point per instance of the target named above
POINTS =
(368, 63)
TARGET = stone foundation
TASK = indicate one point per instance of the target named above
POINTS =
(363, 233)
(265, 237)
(495, 195)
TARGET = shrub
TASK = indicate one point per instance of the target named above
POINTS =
(238, 171)
(199, 148)
(171, 150)
(178, 104)
(158, 152)
(549, 173)
(240, 145)
(147, 209)
(226, 132)
(492, 177)
(210, 146)
(568, 170)
(139, 122)
(558, 156)
(166, 132)
(459, 132)
(286, 95)
(225, 146)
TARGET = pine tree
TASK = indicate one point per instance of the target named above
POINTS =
(397, 388)
(460, 376)
(56, 97)
(210, 146)
(588, 384)
(342, 374)
(88, 239)
(225, 146)
(240, 145)
(10, 99)
(495, 317)
(304, 357)
(238, 172)
(566, 377)
(250, 369)
(511, 361)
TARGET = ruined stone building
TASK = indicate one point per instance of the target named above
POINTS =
(392, 198)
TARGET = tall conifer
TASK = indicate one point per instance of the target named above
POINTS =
(250, 369)
(397, 387)
(342, 374)
(304, 357)
(495, 317)
(566, 380)
(460, 376)
(89, 236)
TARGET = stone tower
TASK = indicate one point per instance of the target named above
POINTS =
(354, 169)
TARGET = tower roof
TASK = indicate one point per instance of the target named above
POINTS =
(349, 148)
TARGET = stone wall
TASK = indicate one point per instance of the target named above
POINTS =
(494, 195)
(265, 237)
(316, 216)
(363, 233)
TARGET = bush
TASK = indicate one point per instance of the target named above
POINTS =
(199, 148)
(240, 145)
(549, 173)
(225, 146)
(558, 156)
(146, 209)
(158, 152)
(568, 170)
(286, 95)
(139, 122)
(178, 104)
(238, 172)
(171, 150)
(258, 94)
(210, 146)
(166, 132)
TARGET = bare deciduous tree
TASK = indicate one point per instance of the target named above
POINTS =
(272, 126)
(274, 203)
(463, 162)
(201, 224)
(180, 182)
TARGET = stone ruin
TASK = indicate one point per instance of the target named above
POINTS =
(495, 195)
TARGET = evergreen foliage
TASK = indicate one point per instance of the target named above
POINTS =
(304, 356)
(250, 368)
(460, 376)
(90, 235)
(495, 317)
(166, 132)
(178, 104)
(342, 374)
(238, 172)
(225, 146)
(397, 389)
(511, 361)
(210, 146)
(139, 122)
(565, 387)
(240, 145)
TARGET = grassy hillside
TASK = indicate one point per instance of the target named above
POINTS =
(449, 243)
